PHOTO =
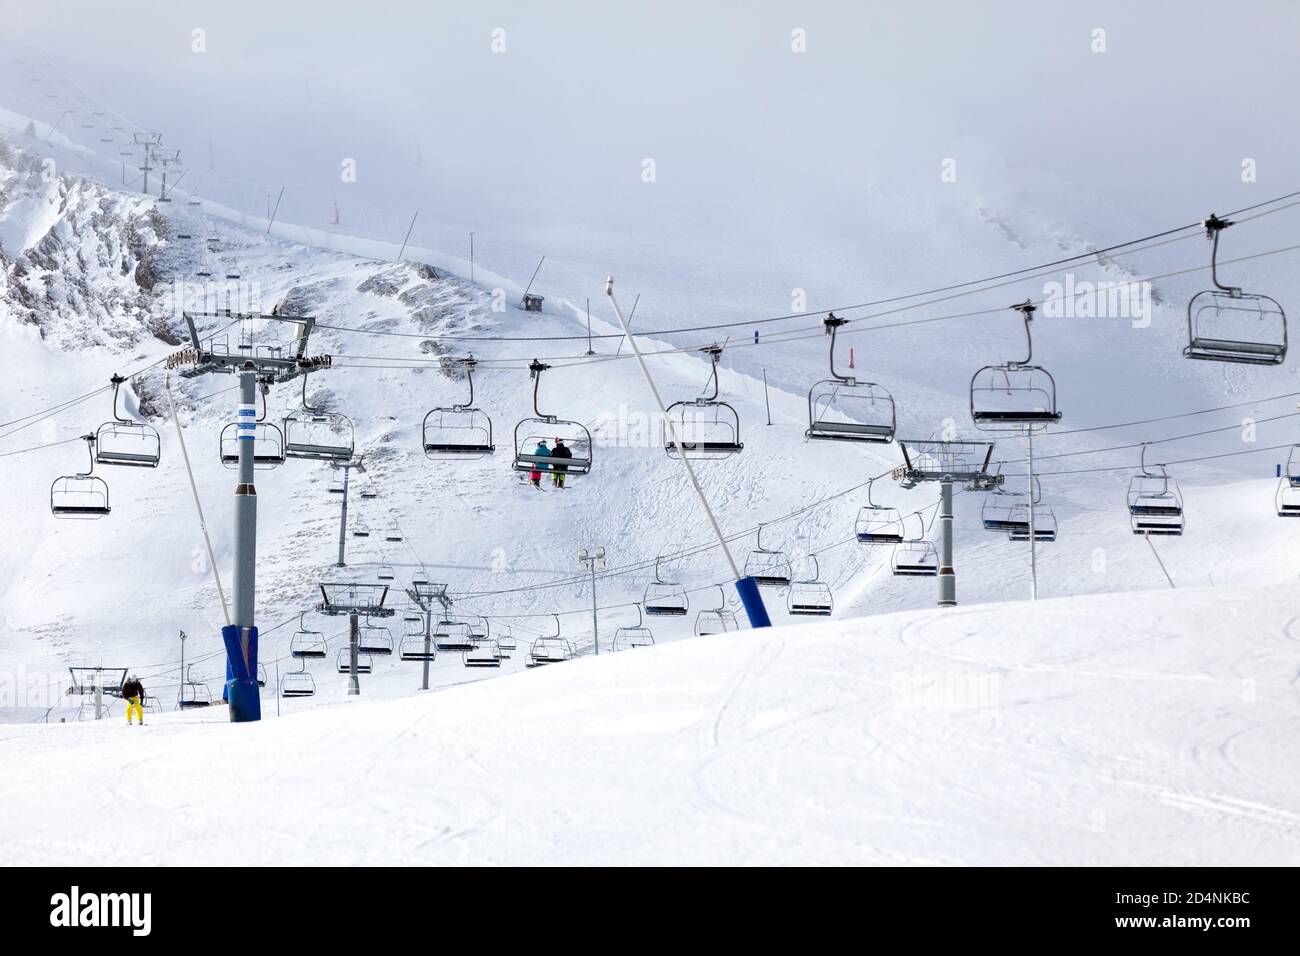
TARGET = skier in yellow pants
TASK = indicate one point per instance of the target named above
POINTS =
(133, 693)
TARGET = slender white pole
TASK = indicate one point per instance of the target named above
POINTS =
(1158, 561)
(672, 432)
(198, 505)
(1033, 543)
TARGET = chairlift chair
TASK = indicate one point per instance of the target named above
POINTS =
(707, 427)
(1287, 498)
(551, 649)
(915, 559)
(393, 534)
(483, 654)
(639, 635)
(261, 674)
(458, 431)
(449, 635)
(317, 435)
(841, 408)
(810, 596)
(360, 529)
(192, 694)
(343, 661)
(1155, 505)
(530, 433)
(268, 446)
(771, 569)
(369, 493)
(413, 648)
(124, 442)
(665, 598)
(1044, 521)
(386, 573)
(83, 495)
(297, 683)
(1225, 324)
(717, 620)
(1015, 396)
(374, 640)
(307, 644)
(877, 524)
(507, 642)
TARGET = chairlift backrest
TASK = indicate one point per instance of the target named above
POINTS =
(1225, 324)
(1014, 396)
(843, 409)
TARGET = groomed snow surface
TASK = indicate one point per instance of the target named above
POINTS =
(1142, 728)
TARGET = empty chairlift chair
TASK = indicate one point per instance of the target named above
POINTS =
(626, 638)
(484, 653)
(393, 534)
(374, 640)
(124, 442)
(1225, 324)
(843, 409)
(192, 694)
(1287, 498)
(316, 435)
(707, 427)
(810, 596)
(507, 643)
(83, 495)
(552, 649)
(915, 557)
(343, 661)
(1016, 396)
(532, 433)
(877, 524)
(268, 442)
(450, 635)
(1155, 505)
(415, 647)
(307, 644)
(718, 620)
(1043, 520)
(297, 683)
(458, 431)
(665, 598)
(771, 569)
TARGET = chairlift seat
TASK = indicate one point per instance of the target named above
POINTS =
(375, 640)
(719, 621)
(413, 649)
(319, 437)
(626, 638)
(1228, 325)
(483, 654)
(79, 496)
(127, 443)
(847, 410)
(268, 446)
(297, 684)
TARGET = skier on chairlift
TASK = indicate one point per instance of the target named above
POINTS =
(557, 471)
(535, 476)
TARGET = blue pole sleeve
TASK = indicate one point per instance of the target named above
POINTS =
(747, 588)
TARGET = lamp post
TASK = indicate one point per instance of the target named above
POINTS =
(593, 562)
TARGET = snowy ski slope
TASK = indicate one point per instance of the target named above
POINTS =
(1141, 728)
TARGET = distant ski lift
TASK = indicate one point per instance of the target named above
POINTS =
(843, 409)
(343, 661)
(124, 442)
(192, 693)
(306, 643)
(1225, 324)
(532, 432)
(414, 648)
(665, 598)
(375, 640)
(532, 303)
(318, 436)
(915, 559)
(83, 495)
(479, 629)
(386, 573)
(626, 638)
(268, 446)
(360, 529)
(297, 683)
(1015, 396)
(717, 620)
(393, 534)
(261, 674)
(707, 427)
(449, 635)
(335, 486)
(459, 431)
(420, 578)
(877, 524)
(484, 653)
(507, 644)
(810, 596)
(369, 493)
(1155, 505)
(771, 569)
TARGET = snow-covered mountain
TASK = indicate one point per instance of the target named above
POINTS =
(90, 285)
